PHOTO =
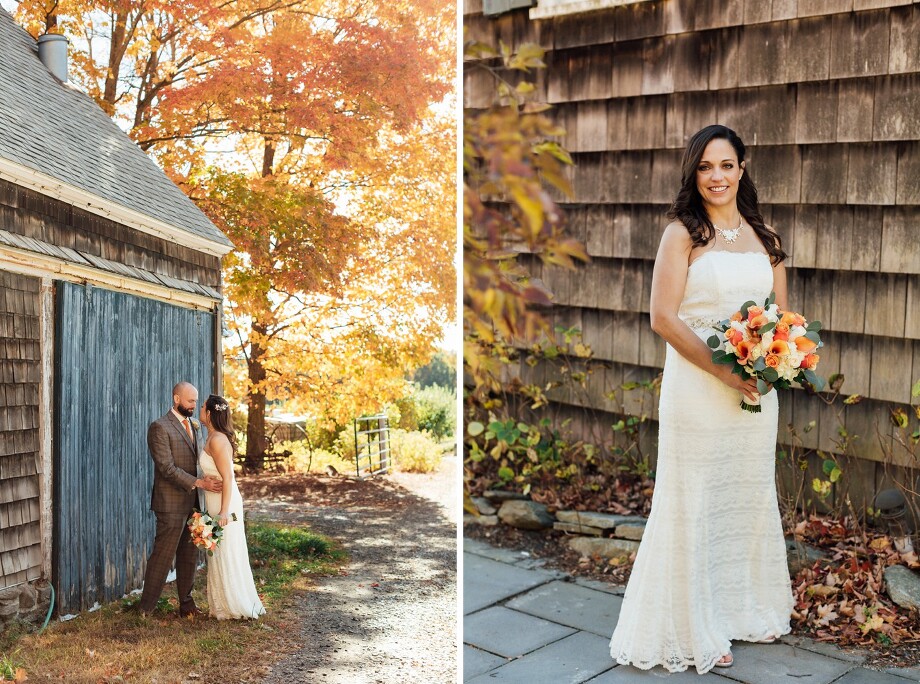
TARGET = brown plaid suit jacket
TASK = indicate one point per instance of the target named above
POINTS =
(175, 459)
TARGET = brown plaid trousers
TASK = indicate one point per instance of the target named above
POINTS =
(175, 460)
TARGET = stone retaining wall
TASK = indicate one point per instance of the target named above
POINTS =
(26, 602)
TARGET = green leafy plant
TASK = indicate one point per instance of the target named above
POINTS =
(435, 410)
(284, 552)
(414, 452)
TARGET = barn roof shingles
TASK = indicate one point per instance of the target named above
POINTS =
(61, 132)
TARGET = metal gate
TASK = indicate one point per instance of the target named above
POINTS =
(117, 358)
(372, 445)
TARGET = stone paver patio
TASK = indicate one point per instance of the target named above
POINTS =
(523, 623)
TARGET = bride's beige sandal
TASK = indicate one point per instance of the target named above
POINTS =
(722, 662)
(768, 640)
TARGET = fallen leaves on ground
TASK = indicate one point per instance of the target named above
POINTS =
(843, 599)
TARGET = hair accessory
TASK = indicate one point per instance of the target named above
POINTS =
(220, 407)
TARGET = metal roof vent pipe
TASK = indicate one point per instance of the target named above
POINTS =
(52, 51)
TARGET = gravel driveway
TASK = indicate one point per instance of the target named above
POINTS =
(391, 617)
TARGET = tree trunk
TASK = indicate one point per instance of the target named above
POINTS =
(268, 158)
(51, 20)
(116, 54)
(255, 425)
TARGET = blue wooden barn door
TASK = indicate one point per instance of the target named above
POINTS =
(117, 358)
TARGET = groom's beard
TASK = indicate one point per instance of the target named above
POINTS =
(187, 412)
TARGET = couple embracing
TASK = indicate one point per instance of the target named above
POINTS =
(184, 462)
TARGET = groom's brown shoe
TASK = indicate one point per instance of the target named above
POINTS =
(192, 611)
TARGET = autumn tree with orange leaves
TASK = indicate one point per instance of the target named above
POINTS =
(318, 137)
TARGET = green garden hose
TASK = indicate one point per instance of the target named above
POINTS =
(50, 608)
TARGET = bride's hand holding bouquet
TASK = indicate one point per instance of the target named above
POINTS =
(770, 347)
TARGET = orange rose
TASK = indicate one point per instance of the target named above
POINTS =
(772, 360)
(781, 331)
(788, 318)
(736, 316)
(733, 336)
(804, 344)
(758, 321)
(798, 319)
(810, 361)
(778, 347)
(744, 350)
(753, 312)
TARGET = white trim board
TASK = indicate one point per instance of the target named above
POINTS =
(546, 9)
(45, 408)
(29, 263)
(52, 187)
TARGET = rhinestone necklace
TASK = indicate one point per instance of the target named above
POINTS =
(729, 234)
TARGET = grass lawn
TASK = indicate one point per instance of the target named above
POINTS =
(116, 644)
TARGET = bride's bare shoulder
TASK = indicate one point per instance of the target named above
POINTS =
(676, 237)
(219, 442)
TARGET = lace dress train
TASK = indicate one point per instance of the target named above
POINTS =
(711, 566)
(231, 590)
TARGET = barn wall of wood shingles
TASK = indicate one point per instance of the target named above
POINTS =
(25, 212)
(20, 462)
(827, 96)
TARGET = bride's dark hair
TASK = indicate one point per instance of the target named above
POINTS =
(219, 415)
(688, 205)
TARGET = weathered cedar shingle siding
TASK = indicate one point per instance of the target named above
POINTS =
(827, 97)
(20, 534)
(28, 213)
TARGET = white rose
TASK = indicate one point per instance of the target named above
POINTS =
(767, 339)
(796, 331)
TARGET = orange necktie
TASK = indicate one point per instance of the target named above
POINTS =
(188, 429)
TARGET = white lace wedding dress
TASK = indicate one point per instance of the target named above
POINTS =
(231, 589)
(711, 566)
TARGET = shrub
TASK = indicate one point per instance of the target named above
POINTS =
(408, 414)
(436, 410)
(414, 452)
(300, 459)
(344, 444)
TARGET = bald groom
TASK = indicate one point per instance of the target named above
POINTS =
(175, 441)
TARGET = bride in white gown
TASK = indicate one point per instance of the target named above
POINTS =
(712, 563)
(231, 590)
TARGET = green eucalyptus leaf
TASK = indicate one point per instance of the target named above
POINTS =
(744, 308)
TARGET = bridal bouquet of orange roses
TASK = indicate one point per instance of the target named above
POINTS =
(772, 346)
(206, 533)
